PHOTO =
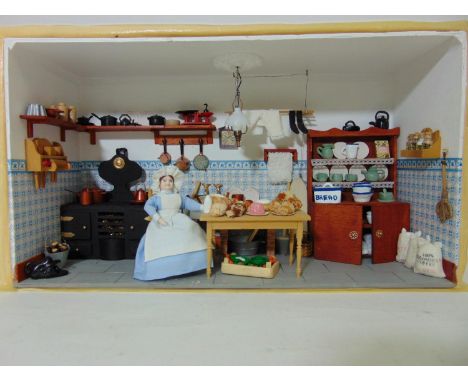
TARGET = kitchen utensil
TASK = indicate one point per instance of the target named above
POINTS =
(98, 195)
(156, 120)
(183, 164)
(84, 121)
(338, 169)
(320, 169)
(205, 115)
(338, 150)
(107, 120)
(327, 194)
(351, 177)
(72, 113)
(362, 197)
(336, 177)
(383, 169)
(125, 120)
(357, 169)
(321, 177)
(444, 209)
(172, 122)
(362, 187)
(53, 113)
(325, 152)
(363, 150)
(187, 115)
(351, 126)
(385, 196)
(165, 157)
(350, 151)
(64, 109)
(201, 161)
(373, 174)
(139, 196)
(381, 120)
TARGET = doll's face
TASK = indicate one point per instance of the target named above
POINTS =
(166, 183)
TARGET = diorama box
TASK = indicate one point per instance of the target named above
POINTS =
(418, 77)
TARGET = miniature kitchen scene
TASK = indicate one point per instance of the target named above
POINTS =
(221, 163)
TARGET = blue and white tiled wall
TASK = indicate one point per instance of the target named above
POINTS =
(420, 183)
(239, 174)
(35, 214)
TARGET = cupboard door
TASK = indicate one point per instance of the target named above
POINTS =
(75, 225)
(337, 231)
(387, 222)
(135, 224)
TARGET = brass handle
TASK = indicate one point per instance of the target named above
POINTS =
(67, 218)
(379, 233)
(353, 235)
(148, 218)
(132, 227)
(68, 234)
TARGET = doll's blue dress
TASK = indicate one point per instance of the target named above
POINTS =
(173, 249)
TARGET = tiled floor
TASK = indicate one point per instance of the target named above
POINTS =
(316, 275)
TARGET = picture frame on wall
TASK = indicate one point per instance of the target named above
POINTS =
(227, 140)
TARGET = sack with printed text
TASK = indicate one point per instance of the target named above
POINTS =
(429, 260)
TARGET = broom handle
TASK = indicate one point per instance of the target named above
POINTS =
(444, 195)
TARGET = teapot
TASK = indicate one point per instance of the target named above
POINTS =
(125, 120)
(351, 126)
(373, 174)
(381, 121)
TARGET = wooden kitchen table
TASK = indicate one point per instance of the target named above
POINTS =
(294, 223)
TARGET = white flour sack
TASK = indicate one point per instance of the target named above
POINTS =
(429, 260)
(403, 245)
(412, 250)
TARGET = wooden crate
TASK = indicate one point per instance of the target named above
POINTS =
(269, 272)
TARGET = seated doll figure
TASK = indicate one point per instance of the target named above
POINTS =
(173, 243)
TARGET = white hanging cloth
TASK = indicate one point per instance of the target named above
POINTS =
(279, 167)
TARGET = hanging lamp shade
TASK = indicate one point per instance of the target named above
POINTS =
(237, 121)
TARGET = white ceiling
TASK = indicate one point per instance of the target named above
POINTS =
(378, 54)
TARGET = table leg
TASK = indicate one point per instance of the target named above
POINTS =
(209, 249)
(271, 237)
(299, 233)
(291, 245)
(224, 242)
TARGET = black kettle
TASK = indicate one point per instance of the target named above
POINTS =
(351, 126)
(84, 121)
(126, 120)
(381, 121)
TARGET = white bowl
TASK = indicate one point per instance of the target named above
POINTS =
(362, 198)
(362, 189)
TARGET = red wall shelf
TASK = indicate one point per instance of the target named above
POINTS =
(189, 133)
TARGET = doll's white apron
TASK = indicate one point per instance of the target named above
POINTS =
(181, 235)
